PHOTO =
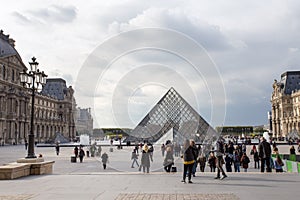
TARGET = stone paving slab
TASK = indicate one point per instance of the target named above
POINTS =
(17, 197)
(88, 180)
(176, 197)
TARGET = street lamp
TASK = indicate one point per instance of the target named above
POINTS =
(32, 80)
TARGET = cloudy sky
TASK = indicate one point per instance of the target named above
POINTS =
(122, 56)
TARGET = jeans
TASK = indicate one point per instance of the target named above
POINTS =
(237, 167)
(194, 168)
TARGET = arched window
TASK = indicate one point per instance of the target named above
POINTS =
(4, 72)
(12, 75)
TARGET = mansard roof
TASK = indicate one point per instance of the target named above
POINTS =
(6, 46)
(290, 81)
(56, 88)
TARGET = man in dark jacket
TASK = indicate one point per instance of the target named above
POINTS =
(264, 152)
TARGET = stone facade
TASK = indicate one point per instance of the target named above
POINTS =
(84, 121)
(52, 114)
(286, 104)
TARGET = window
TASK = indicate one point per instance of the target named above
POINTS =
(4, 71)
(12, 75)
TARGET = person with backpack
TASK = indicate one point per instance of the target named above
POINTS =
(245, 161)
(278, 164)
(220, 161)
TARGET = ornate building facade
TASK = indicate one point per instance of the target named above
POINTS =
(286, 104)
(54, 108)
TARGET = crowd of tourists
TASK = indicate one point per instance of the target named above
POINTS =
(233, 157)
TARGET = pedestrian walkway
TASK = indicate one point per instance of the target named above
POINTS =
(88, 180)
(176, 196)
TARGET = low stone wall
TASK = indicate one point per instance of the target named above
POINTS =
(41, 168)
(21, 169)
(14, 170)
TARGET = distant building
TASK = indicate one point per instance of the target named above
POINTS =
(53, 111)
(235, 130)
(61, 106)
(84, 121)
(286, 104)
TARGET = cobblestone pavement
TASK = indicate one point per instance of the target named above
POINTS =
(177, 197)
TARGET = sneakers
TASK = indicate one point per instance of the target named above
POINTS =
(224, 176)
(218, 177)
(183, 181)
(190, 182)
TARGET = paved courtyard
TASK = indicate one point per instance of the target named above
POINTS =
(88, 180)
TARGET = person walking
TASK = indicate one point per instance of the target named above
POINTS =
(104, 160)
(163, 149)
(26, 144)
(264, 152)
(57, 148)
(134, 158)
(76, 151)
(220, 161)
(81, 154)
(245, 161)
(169, 159)
(189, 157)
(99, 150)
(146, 157)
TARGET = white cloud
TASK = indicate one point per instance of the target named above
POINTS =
(252, 43)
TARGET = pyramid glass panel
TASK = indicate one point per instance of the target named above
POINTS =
(172, 111)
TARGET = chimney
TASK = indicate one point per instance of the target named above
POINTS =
(11, 42)
(6, 38)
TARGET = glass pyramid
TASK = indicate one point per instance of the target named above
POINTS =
(172, 111)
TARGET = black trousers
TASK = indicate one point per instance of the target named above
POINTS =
(187, 168)
(219, 166)
(265, 162)
(168, 168)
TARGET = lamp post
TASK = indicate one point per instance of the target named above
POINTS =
(32, 80)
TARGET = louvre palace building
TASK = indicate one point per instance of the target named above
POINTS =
(54, 107)
(286, 104)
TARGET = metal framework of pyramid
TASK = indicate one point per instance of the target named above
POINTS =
(172, 111)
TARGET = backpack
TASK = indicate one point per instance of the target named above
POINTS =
(236, 158)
